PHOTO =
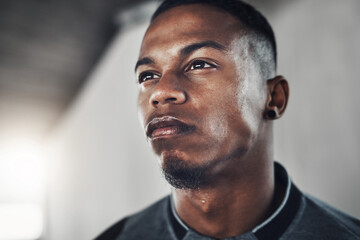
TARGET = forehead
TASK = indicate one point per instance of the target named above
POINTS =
(192, 22)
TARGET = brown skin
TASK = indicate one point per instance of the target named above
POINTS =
(209, 89)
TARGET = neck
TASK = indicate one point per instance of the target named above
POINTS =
(235, 204)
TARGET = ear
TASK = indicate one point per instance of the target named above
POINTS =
(277, 97)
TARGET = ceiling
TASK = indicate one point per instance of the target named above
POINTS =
(47, 49)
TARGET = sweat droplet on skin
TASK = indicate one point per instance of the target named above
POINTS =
(202, 201)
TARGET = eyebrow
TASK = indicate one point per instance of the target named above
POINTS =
(143, 61)
(195, 46)
(185, 51)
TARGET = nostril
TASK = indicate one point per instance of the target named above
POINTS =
(171, 99)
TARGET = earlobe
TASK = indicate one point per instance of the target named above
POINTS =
(277, 98)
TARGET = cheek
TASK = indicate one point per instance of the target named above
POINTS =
(142, 105)
(251, 100)
(229, 133)
(223, 117)
(239, 115)
(218, 125)
(251, 91)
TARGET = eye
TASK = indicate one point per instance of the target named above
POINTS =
(145, 76)
(199, 64)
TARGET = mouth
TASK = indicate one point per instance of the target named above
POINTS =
(167, 127)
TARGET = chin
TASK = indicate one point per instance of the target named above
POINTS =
(181, 174)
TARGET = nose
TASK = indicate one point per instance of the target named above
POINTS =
(168, 91)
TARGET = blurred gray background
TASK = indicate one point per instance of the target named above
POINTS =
(67, 82)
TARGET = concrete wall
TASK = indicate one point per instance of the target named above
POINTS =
(100, 168)
(318, 138)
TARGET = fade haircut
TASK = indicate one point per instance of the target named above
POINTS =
(262, 42)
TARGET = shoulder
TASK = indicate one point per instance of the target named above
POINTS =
(322, 221)
(139, 223)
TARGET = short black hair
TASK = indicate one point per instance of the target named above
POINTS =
(252, 19)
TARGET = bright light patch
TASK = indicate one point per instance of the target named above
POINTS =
(21, 190)
(21, 173)
(20, 221)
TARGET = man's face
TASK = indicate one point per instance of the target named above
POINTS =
(201, 99)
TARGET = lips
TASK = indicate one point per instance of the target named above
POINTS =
(166, 127)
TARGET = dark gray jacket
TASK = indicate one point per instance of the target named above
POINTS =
(299, 217)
